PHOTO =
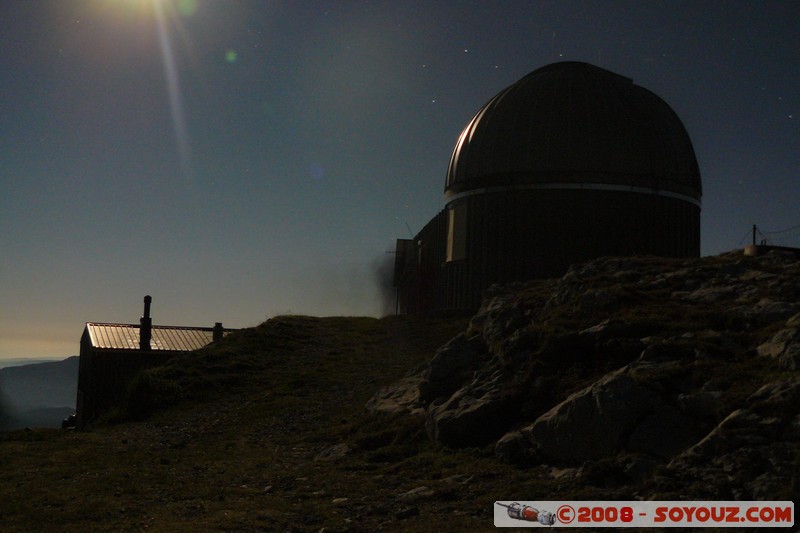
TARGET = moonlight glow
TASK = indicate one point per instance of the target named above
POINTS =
(164, 15)
(173, 88)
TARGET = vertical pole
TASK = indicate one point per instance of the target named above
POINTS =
(754, 234)
(145, 325)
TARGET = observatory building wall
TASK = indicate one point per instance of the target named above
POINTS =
(571, 163)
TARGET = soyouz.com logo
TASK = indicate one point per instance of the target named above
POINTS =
(643, 514)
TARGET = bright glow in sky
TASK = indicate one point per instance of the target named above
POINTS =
(266, 163)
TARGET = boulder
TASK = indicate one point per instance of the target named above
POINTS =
(593, 422)
(754, 450)
(767, 311)
(513, 447)
(400, 397)
(451, 366)
(784, 348)
(448, 370)
(623, 411)
(475, 415)
(650, 369)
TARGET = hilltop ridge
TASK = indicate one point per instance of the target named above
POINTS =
(627, 378)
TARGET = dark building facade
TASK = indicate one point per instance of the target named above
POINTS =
(113, 354)
(571, 163)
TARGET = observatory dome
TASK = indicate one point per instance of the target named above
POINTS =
(574, 125)
(569, 164)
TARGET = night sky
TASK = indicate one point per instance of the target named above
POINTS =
(242, 159)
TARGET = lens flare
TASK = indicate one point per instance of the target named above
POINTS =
(173, 90)
(187, 7)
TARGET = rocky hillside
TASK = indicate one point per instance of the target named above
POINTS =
(646, 378)
(625, 379)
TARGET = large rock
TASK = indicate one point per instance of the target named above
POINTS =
(591, 423)
(400, 397)
(475, 415)
(616, 413)
(667, 357)
(753, 453)
(784, 346)
(451, 366)
(504, 310)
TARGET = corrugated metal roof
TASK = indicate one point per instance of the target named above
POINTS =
(167, 338)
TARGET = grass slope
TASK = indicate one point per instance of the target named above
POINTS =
(265, 431)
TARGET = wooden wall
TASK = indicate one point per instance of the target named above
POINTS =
(104, 377)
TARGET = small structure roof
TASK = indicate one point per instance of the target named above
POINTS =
(165, 338)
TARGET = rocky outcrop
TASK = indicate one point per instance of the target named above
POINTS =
(754, 452)
(613, 414)
(784, 346)
(651, 367)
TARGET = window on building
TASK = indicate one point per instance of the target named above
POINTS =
(457, 232)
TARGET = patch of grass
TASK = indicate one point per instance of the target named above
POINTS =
(232, 436)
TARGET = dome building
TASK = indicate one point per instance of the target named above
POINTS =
(568, 164)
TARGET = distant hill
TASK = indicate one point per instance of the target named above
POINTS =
(40, 417)
(38, 395)
(21, 361)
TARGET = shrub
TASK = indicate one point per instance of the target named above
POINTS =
(148, 393)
